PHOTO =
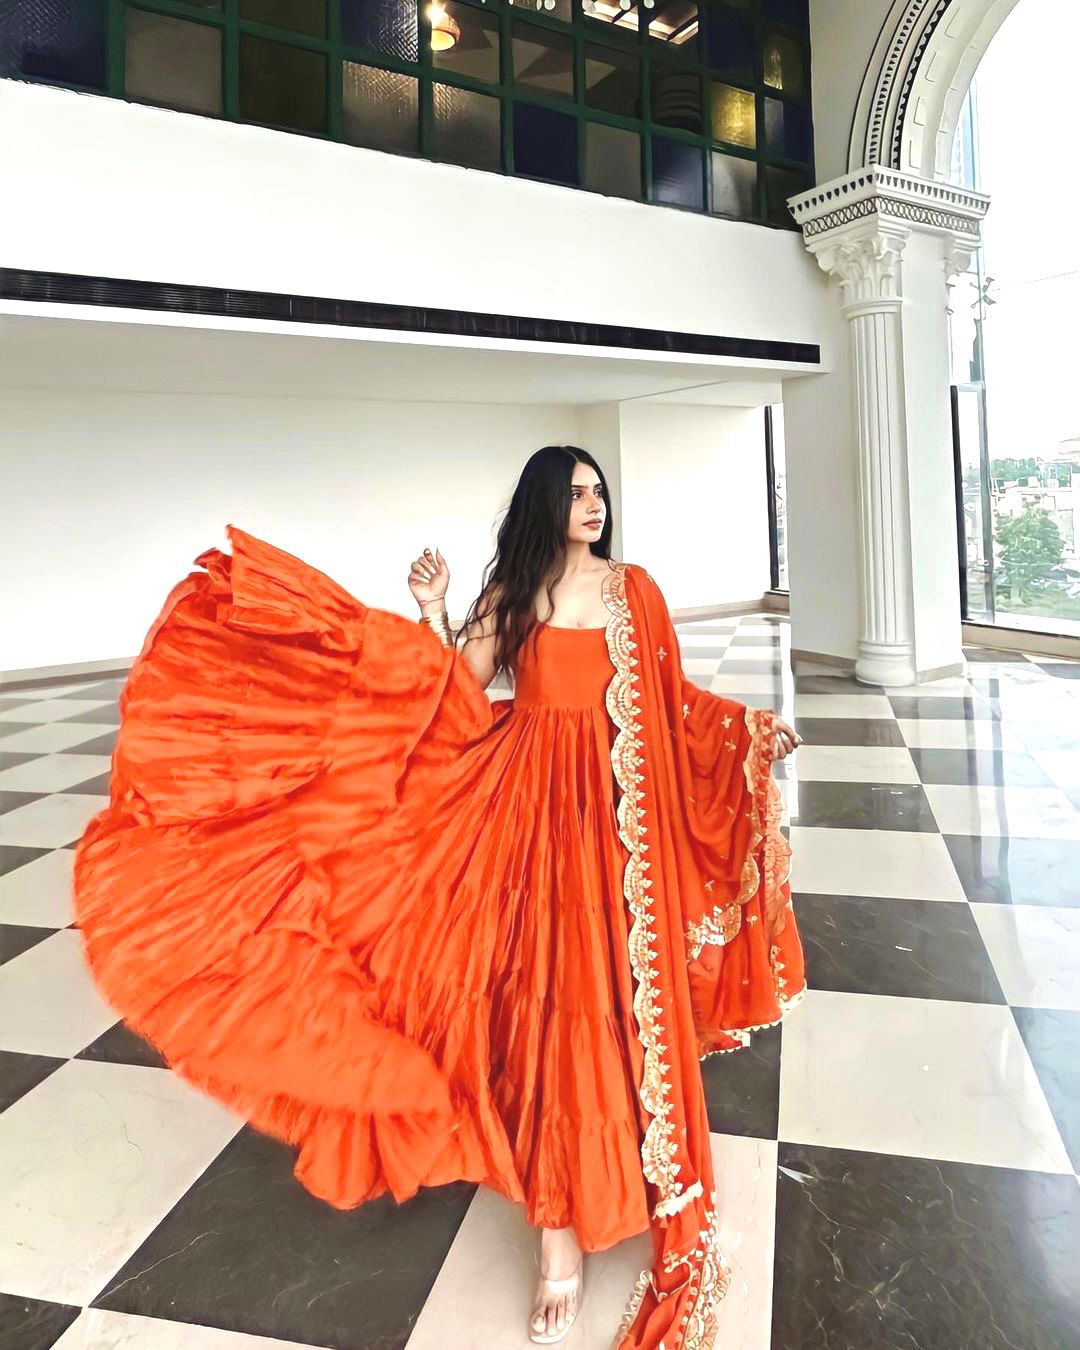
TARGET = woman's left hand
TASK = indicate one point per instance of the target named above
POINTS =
(785, 739)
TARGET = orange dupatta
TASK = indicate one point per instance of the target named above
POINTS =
(713, 950)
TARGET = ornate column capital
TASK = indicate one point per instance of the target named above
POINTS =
(856, 226)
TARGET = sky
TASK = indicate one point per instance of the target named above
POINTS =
(1026, 103)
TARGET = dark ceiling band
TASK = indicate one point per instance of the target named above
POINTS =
(64, 288)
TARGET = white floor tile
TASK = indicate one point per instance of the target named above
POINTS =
(855, 764)
(842, 705)
(53, 773)
(40, 892)
(16, 696)
(765, 656)
(50, 822)
(917, 1077)
(1062, 767)
(955, 733)
(700, 665)
(906, 865)
(51, 737)
(744, 684)
(94, 1158)
(1035, 951)
(97, 1329)
(50, 709)
(1022, 812)
(952, 686)
(49, 1004)
(496, 1251)
(712, 641)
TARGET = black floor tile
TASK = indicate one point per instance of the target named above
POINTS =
(13, 856)
(1000, 870)
(98, 786)
(742, 1089)
(849, 731)
(102, 689)
(11, 801)
(249, 1249)
(9, 759)
(108, 712)
(121, 1045)
(834, 684)
(987, 654)
(995, 768)
(1061, 670)
(875, 1252)
(1053, 1042)
(32, 1324)
(903, 948)
(100, 745)
(16, 938)
(18, 1074)
(941, 707)
(862, 806)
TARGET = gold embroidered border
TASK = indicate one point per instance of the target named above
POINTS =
(658, 1148)
(709, 1280)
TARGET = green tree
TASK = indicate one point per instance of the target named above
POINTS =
(1009, 470)
(1029, 547)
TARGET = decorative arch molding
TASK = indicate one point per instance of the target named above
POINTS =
(916, 80)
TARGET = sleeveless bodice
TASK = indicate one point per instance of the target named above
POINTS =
(563, 668)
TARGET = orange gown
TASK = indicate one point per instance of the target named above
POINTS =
(413, 932)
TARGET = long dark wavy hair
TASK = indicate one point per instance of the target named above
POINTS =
(530, 549)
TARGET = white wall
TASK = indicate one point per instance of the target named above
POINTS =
(694, 501)
(842, 38)
(823, 510)
(110, 496)
(115, 189)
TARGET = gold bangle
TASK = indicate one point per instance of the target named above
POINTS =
(440, 625)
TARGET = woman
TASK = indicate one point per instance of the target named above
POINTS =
(415, 932)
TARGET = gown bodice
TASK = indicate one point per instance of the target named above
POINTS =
(566, 668)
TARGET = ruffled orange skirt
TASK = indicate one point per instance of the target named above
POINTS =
(377, 915)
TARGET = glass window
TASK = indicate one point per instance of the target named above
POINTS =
(543, 59)
(612, 81)
(780, 184)
(282, 86)
(675, 96)
(545, 143)
(612, 161)
(676, 172)
(57, 41)
(465, 40)
(173, 62)
(791, 12)
(466, 127)
(385, 26)
(787, 129)
(379, 108)
(734, 185)
(729, 43)
(782, 65)
(610, 12)
(734, 115)
(676, 24)
(302, 16)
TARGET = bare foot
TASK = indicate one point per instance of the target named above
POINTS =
(560, 1258)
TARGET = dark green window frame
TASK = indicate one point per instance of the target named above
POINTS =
(777, 176)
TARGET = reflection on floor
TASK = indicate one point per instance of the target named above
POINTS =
(897, 1165)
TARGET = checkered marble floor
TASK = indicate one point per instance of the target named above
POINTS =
(897, 1164)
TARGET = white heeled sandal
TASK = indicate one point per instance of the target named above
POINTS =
(551, 1290)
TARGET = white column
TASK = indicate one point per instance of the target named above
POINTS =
(864, 230)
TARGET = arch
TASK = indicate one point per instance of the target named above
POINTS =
(916, 80)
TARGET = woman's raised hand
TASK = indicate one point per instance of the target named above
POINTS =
(429, 576)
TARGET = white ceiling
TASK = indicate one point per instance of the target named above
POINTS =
(67, 348)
